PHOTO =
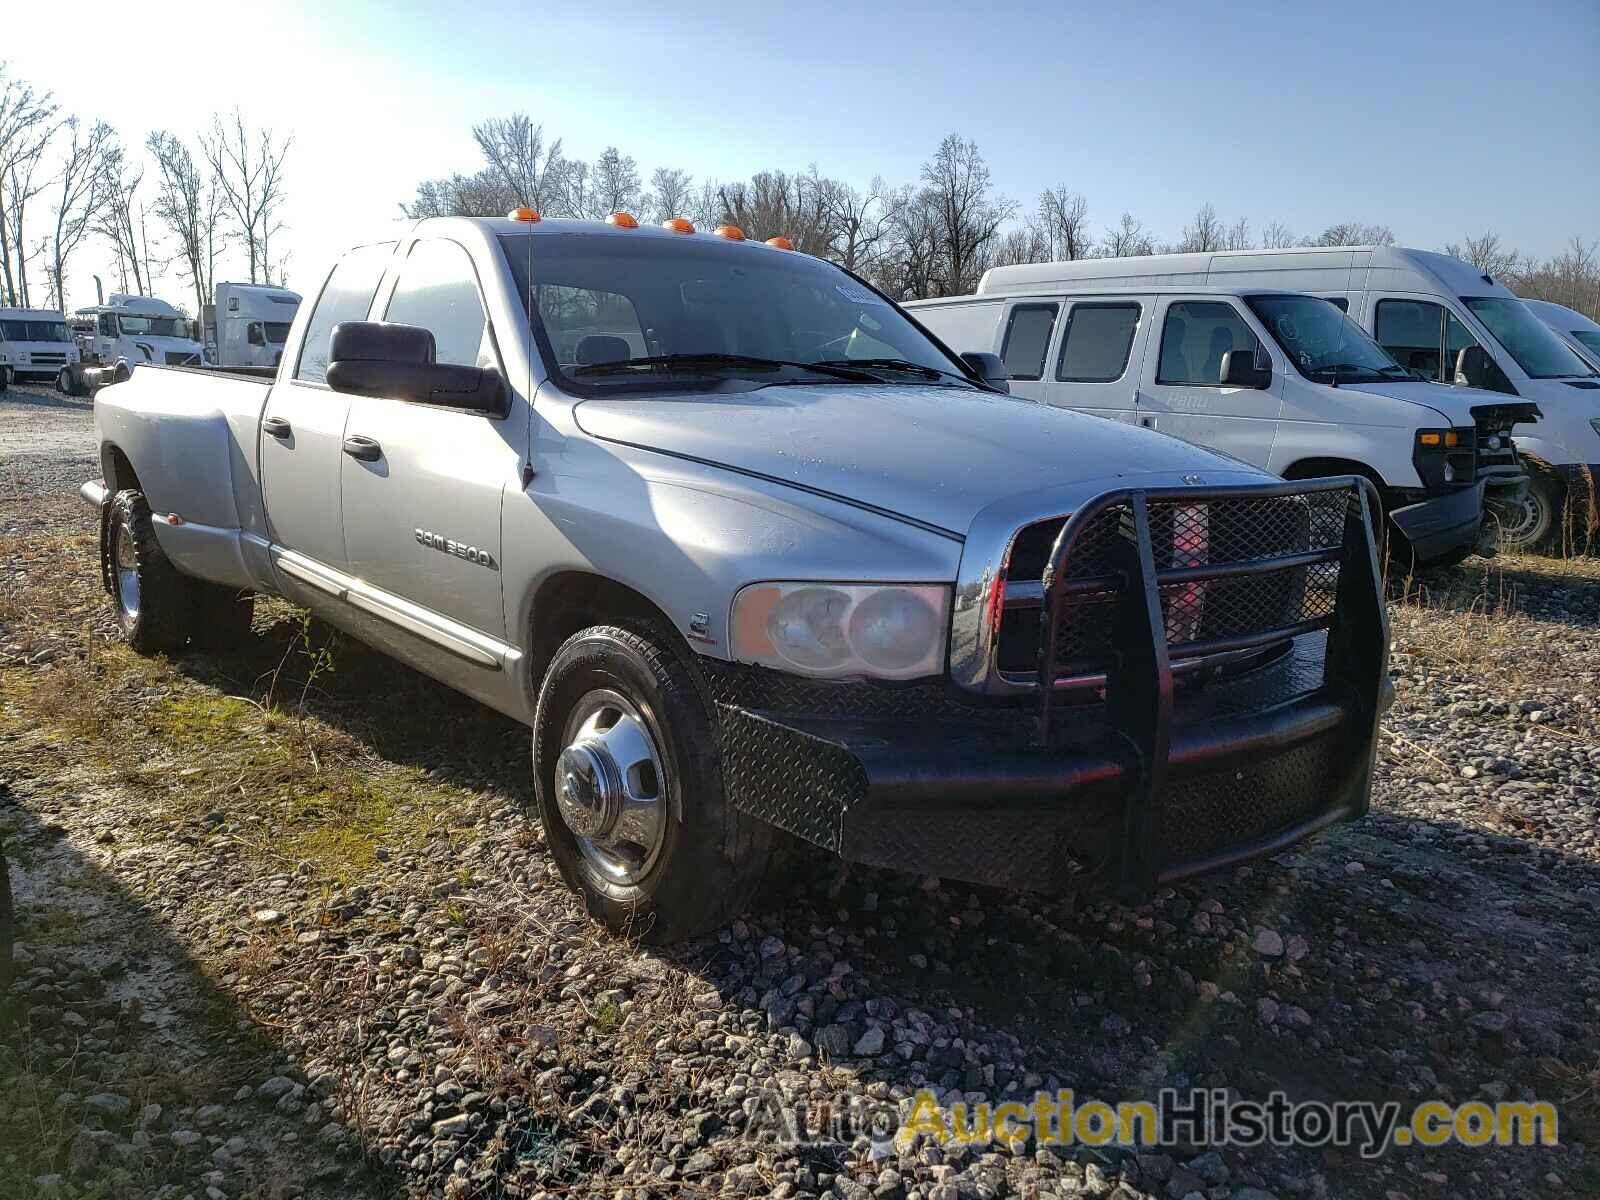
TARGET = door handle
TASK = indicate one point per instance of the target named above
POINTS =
(276, 427)
(363, 448)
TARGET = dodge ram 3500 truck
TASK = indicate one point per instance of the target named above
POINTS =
(750, 550)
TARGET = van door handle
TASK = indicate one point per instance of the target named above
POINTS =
(276, 427)
(363, 448)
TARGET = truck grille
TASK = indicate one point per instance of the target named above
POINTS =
(47, 359)
(1226, 611)
(182, 358)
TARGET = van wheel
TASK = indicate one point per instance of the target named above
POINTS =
(222, 615)
(152, 599)
(1534, 520)
(629, 788)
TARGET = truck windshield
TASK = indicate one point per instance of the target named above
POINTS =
(13, 330)
(1323, 343)
(172, 327)
(1527, 339)
(1589, 338)
(683, 308)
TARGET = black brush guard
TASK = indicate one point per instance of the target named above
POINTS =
(1132, 796)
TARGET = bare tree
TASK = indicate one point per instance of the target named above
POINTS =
(1277, 236)
(1027, 243)
(1238, 236)
(671, 193)
(28, 119)
(1064, 219)
(1205, 234)
(518, 159)
(955, 188)
(248, 168)
(1485, 252)
(861, 223)
(1129, 238)
(114, 213)
(1352, 233)
(1571, 278)
(77, 195)
(777, 204)
(190, 207)
(614, 184)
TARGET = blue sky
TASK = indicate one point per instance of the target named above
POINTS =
(1438, 120)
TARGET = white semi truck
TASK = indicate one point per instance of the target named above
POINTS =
(247, 324)
(131, 330)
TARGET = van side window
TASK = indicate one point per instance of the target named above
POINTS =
(1412, 332)
(1094, 348)
(586, 326)
(439, 292)
(1027, 340)
(1195, 336)
(345, 297)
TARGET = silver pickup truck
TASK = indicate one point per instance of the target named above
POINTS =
(751, 551)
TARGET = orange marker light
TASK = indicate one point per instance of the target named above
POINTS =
(782, 243)
(678, 225)
(732, 232)
(522, 214)
(623, 220)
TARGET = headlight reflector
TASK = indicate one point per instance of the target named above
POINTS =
(835, 630)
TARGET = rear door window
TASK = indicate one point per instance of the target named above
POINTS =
(1027, 341)
(1094, 348)
(345, 297)
(1195, 336)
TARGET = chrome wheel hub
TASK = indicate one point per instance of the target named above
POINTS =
(127, 568)
(611, 787)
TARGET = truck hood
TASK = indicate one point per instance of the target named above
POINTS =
(934, 454)
(1456, 404)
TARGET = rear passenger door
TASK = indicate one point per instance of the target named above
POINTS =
(1025, 342)
(302, 431)
(422, 484)
(1182, 393)
(1096, 368)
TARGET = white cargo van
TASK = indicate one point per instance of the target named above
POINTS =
(1282, 380)
(1572, 327)
(1438, 316)
(247, 324)
(35, 343)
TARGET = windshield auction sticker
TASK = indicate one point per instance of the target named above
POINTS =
(1211, 1117)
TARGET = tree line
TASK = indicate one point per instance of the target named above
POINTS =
(932, 237)
(180, 204)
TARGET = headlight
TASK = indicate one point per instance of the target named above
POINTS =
(831, 630)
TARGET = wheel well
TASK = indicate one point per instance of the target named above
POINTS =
(116, 470)
(574, 600)
(1315, 468)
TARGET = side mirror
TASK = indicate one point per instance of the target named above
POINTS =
(1239, 369)
(988, 367)
(1472, 367)
(375, 358)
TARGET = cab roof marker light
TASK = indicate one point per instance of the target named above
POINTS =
(524, 213)
(678, 225)
(732, 232)
(623, 220)
(781, 243)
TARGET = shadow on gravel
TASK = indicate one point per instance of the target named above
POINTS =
(121, 1062)
(40, 398)
(1396, 958)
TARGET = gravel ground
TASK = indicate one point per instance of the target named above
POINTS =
(287, 931)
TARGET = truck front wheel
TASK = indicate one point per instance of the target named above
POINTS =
(152, 599)
(1535, 519)
(629, 788)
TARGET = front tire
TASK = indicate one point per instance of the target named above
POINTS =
(1536, 518)
(152, 600)
(629, 787)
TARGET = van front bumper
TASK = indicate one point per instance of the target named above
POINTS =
(1443, 525)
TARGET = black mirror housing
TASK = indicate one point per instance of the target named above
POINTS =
(1239, 369)
(989, 368)
(391, 361)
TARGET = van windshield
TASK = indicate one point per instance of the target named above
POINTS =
(612, 311)
(172, 327)
(1323, 343)
(1527, 339)
(14, 330)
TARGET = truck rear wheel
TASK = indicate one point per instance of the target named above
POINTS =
(152, 599)
(629, 788)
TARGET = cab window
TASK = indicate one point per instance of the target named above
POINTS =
(1412, 331)
(1027, 340)
(1195, 336)
(1095, 347)
(438, 292)
(345, 297)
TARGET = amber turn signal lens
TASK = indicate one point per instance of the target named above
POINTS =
(678, 225)
(732, 232)
(522, 214)
(623, 220)
(782, 243)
